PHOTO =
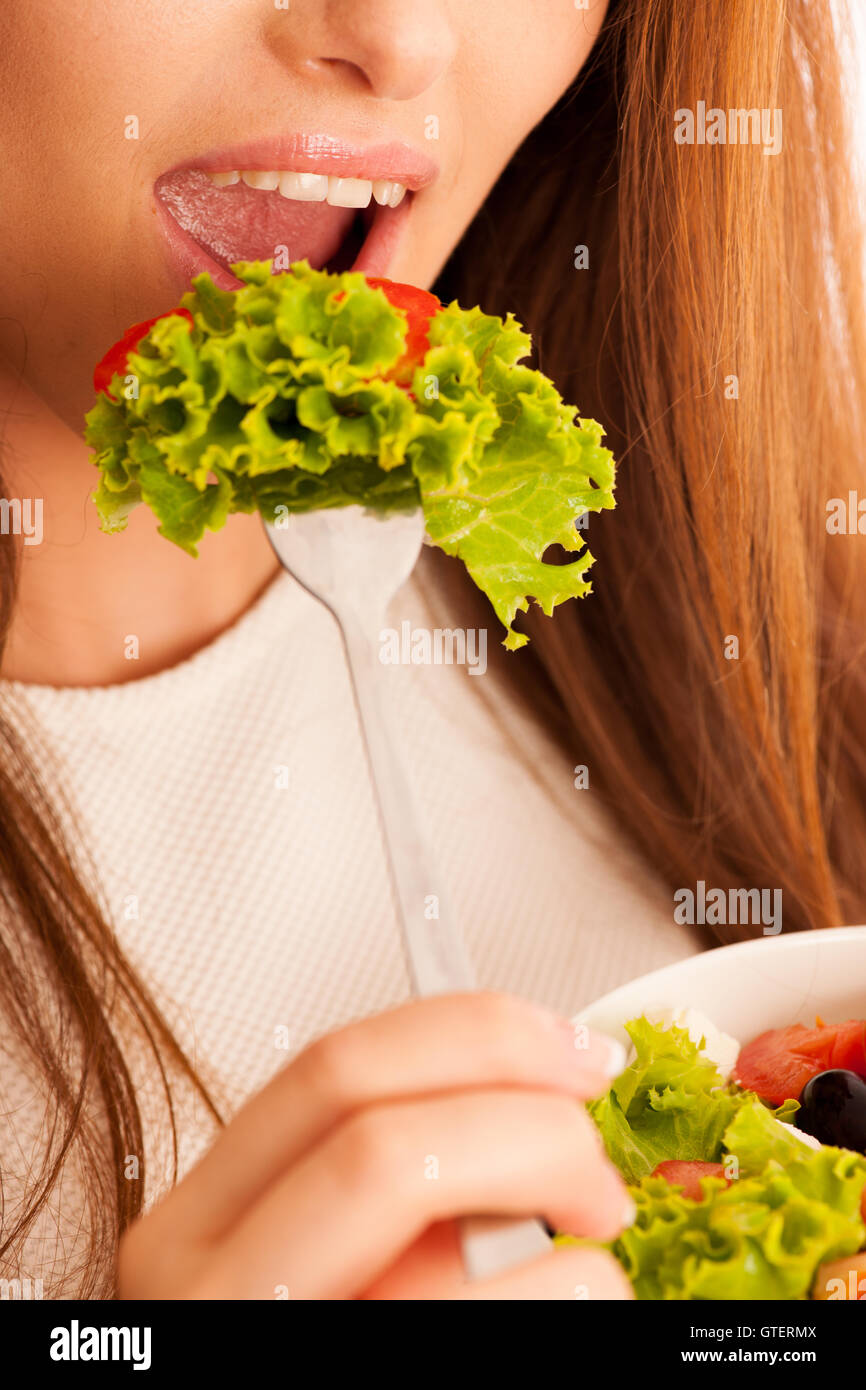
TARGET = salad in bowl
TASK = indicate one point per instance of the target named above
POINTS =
(745, 1152)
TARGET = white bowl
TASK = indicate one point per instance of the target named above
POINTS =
(755, 985)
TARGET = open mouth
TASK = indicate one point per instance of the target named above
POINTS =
(326, 213)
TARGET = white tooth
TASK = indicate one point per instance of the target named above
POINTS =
(304, 188)
(225, 178)
(261, 178)
(397, 196)
(382, 190)
(349, 193)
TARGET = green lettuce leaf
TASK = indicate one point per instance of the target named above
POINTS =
(787, 1209)
(670, 1103)
(516, 476)
(279, 397)
(762, 1237)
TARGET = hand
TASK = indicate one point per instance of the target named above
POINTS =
(344, 1176)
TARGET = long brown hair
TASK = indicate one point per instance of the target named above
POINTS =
(718, 334)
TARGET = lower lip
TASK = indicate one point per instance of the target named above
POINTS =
(188, 259)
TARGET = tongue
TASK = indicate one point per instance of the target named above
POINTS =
(247, 224)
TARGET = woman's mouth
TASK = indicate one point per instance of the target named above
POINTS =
(338, 208)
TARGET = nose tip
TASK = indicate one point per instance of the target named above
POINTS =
(397, 75)
(397, 48)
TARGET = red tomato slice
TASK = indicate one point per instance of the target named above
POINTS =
(115, 360)
(840, 1045)
(687, 1175)
(777, 1065)
(773, 1066)
(419, 306)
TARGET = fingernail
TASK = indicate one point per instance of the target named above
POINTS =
(629, 1212)
(604, 1053)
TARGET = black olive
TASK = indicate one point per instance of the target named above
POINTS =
(833, 1109)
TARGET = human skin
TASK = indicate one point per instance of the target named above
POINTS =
(318, 1184)
(322, 1186)
(84, 258)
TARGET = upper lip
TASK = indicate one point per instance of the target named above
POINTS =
(322, 154)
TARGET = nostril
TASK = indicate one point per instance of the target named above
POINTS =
(343, 67)
(394, 72)
(391, 49)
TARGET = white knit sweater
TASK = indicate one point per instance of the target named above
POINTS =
(227, 806)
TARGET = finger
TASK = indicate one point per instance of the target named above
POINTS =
(432, 1262)
(432, 1268)
(350, 1206)
(442, 1044)
(567, 1273)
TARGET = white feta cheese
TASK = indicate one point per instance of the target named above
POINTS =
(720, 1047)
(806, 1138)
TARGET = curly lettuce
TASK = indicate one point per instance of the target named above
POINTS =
(787, 1209)
(281, 395)
(670, 1103)
(762, 1237)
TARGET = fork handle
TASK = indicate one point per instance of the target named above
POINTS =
(436, 954)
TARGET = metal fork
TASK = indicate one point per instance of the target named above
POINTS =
(354, 559)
